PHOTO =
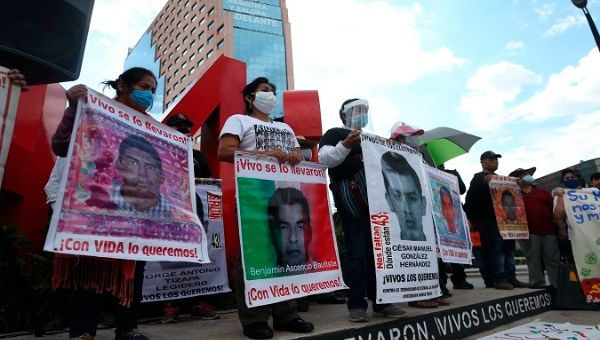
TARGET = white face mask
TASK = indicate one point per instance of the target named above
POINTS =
(265, 102)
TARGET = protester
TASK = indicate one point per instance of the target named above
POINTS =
(595, 180)
(458, 277)
(541, 249)
(200, 309)
(340, 151)
(499, 253)
(89, 277)
(242, 132)
(570, 179)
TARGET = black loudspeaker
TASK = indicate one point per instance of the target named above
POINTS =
(45, 39)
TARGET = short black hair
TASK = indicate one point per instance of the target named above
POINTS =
(595, 176)
(574, 172)
(133, 141)
(397, 162)
(251, 88)
(508, 193)
(342, 115)
(445, 192)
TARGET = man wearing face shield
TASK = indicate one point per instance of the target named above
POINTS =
(542, 245)
(340, 151)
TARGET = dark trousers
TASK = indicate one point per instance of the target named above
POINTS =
(85, 308)
(482, 263)
(457, 270)
(359, 265)
(500, 253)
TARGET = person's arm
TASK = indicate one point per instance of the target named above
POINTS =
(62, 135)
(333, 156)
(559, 215)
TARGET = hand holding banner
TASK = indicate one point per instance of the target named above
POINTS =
(126, 193)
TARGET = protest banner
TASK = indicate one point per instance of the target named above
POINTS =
(452, 231)
(178, 280)
(401, 223)
(126, 191)
(547, 330)
(9, 100)
(286, 231)
(583, 213)
(509, 208)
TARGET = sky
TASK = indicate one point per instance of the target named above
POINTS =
(520, 74)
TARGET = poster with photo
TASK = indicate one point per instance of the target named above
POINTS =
(401, 221)
(126, 192)
(9, 97)
(177, 280)
(286, 230)
(452, 231)
(509, 208)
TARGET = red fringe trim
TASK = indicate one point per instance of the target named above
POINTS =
(102, 275)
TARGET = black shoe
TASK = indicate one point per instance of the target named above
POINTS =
(295, 326)
(463, 285)
(258, 330)
(518, 284)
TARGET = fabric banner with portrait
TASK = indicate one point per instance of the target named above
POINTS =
(547, 330)
(401, 222)
(452, 231)
(509, 208)
(126, 192)
(177, 280)
(9, 99)
(583, 213)
(286, 230)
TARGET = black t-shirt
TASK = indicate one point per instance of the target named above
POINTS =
(201, 169)
(478, 202)
(352, 163)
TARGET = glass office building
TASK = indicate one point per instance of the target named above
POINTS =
(188, 35)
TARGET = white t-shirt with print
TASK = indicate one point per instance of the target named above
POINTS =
(258, 135)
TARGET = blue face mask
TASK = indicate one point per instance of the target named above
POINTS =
(359, 121)
(527, 179)
(572, 183)
(143, 98)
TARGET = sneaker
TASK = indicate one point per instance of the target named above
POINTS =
(204, 311)
(518, 284)
(258, 330)
(463, 285)
(297, 325)
(503, 285)
(390, 311)
(357, 315)
(85, 336)
(171, 314)
(133, 334)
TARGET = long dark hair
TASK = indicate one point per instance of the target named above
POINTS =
(129, 78)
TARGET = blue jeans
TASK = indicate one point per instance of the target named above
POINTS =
(359, 264)
(500, 253)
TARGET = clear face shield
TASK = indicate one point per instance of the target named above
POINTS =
(357, 114)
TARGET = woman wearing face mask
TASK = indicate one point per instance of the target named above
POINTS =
(340, 151)
(541, 249)
(570, 179)
(254, 132)
(89, 277)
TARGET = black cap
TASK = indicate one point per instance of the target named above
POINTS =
(519, 172)
(489, 155)
(178, 120)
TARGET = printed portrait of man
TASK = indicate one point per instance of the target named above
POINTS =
(509, 206)
(404, 195)
(140, 169)
(290, 228)
(448, 209)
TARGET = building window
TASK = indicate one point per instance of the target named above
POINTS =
(201, 61)
(192, 70)
(192, 56)
(202, 21)
(202, 8)
(194, 6)
(209, 54)
(184, 65)
(211, 12)
(183, 53)
(179, 24)
(209, 40)
(210, 25)
(185, 27)
(194, 18)
(193, 31)
(178, 48)
(221, 28)
(200, 35)
(183, 78)
(221, 43)
(200, 48)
